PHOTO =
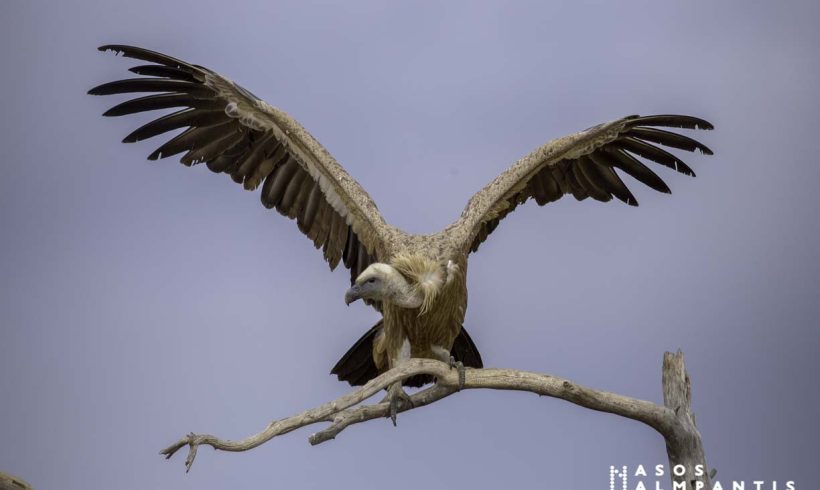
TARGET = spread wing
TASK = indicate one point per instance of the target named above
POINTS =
(234, 132)
(586, 164)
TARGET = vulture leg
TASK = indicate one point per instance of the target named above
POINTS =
(462, 373)
(395, 396)
(444, 355)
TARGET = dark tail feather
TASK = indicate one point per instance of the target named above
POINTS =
(357, 366)
(464, 350)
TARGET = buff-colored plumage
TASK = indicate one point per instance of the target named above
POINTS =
(234, 132)
(436, 322)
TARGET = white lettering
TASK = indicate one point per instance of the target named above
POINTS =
(621, 474)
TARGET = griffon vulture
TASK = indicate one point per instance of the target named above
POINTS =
(417, 282)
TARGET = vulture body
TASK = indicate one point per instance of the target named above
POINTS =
(417, 282)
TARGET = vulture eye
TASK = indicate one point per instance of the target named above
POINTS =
(371, 280)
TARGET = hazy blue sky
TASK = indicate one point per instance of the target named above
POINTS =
(141, 301)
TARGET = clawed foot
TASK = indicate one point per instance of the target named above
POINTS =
(461, 371)
(395, 396)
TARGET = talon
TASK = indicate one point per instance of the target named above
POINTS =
(396, 395)
(394, 410)
(462, 373)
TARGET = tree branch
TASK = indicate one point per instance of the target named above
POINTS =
(674, 421)
(683, 442)
(9, 482)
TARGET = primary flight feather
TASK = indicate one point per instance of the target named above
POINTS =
(417, 282)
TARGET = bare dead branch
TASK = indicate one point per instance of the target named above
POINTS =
(674, 421)
(683, 441)
(380, 410)
(9, 482)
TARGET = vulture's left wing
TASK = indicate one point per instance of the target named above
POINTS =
(234, 132)
(584, 165)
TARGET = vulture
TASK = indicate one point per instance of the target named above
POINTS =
(417, 282)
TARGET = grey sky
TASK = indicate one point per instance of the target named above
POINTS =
(141, 301)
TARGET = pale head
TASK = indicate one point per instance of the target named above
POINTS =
(382, 282)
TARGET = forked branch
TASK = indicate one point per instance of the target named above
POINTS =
(674, 421)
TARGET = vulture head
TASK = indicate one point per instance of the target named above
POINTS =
(383, 282)
(410, 282)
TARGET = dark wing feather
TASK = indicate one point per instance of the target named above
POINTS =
(586, 164)
(234, 132)
(135, 85)
(162, 101)
(165, 71)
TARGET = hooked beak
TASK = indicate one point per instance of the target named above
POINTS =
(352, 294)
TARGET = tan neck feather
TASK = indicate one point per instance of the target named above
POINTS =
(399, 291)
(424, 276)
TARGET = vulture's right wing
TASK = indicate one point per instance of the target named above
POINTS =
(585, 164)
(234, 132)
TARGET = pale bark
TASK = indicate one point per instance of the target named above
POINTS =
(674, 420)
(9, 482)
